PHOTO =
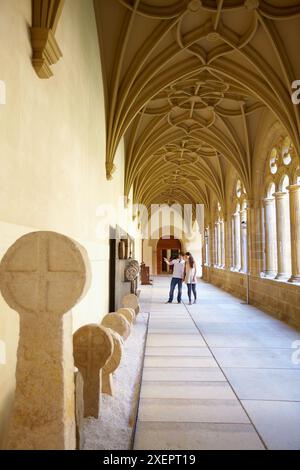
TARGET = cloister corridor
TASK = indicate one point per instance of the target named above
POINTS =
(217, 375)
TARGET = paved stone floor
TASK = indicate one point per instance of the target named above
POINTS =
(217, 375)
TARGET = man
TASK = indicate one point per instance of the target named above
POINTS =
(178, 273)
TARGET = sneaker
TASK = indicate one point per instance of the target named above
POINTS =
(179, 302)
(168, 302)
(190, 303)
(195, 301)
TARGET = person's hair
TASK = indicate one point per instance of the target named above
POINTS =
(191, 259)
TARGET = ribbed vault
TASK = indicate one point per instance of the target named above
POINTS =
(188, 84)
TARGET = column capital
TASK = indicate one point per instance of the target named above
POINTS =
(294, 188)
(268, 201)
(280, 195)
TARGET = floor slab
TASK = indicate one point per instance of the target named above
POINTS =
(175, 340)
(192, 411)
(255, 358)
(196, 436)
(278, 422)
(179, 361)
(265, 384)
(177, 351)
(190, 374)
(187, 390)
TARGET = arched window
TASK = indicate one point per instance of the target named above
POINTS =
(273, 161)
(286, 151)
(277, 221)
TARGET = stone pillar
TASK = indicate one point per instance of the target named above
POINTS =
(227, 243)
(211, 245)
(270, 234)
(283, 235)
(222, 244)
(232, 243)
(253, 238)
(42, 276)
(215, 245)
(237, 242)
(206, 240)
(294, 192)
(219, 261)
(244, 247)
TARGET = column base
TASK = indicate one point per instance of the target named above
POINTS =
(269, 274)
(282, 277)
(294, 279)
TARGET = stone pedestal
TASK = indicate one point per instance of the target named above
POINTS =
(294, 192)
(79, 410)
(93, 347)
(42, 276)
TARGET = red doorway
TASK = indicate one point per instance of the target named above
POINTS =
(166, 247)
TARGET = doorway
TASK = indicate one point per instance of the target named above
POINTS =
(166, 248)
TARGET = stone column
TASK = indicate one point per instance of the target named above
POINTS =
(244, 248)
(215, 260)
(283, 235)
(294, 192)
(42, 276)
(270, 234)
(222, 237)
(219, 261)
(232, 243)
(227, 243)
(253, 238)
(237, 242)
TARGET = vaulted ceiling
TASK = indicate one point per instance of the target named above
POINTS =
(187, 84)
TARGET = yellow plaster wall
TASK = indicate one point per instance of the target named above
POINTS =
(52, 156)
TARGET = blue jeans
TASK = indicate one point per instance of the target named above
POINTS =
(192, 287)
(175, 281)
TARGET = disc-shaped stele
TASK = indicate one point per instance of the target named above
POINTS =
(93, 347)
(44, 272)
(113, 363)
(128, 313)
(118, 323)
(131, 301)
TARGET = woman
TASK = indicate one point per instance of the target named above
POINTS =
(190, 277)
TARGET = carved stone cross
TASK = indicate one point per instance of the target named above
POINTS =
(131, 301)
(118, 323)
(42, 276)
(128, 313)
(112, 364)
(93, 347)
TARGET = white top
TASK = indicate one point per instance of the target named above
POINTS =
(178, 269)
(190, 274)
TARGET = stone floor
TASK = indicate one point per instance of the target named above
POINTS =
(217, 375)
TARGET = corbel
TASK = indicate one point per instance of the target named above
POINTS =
(45, 49)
